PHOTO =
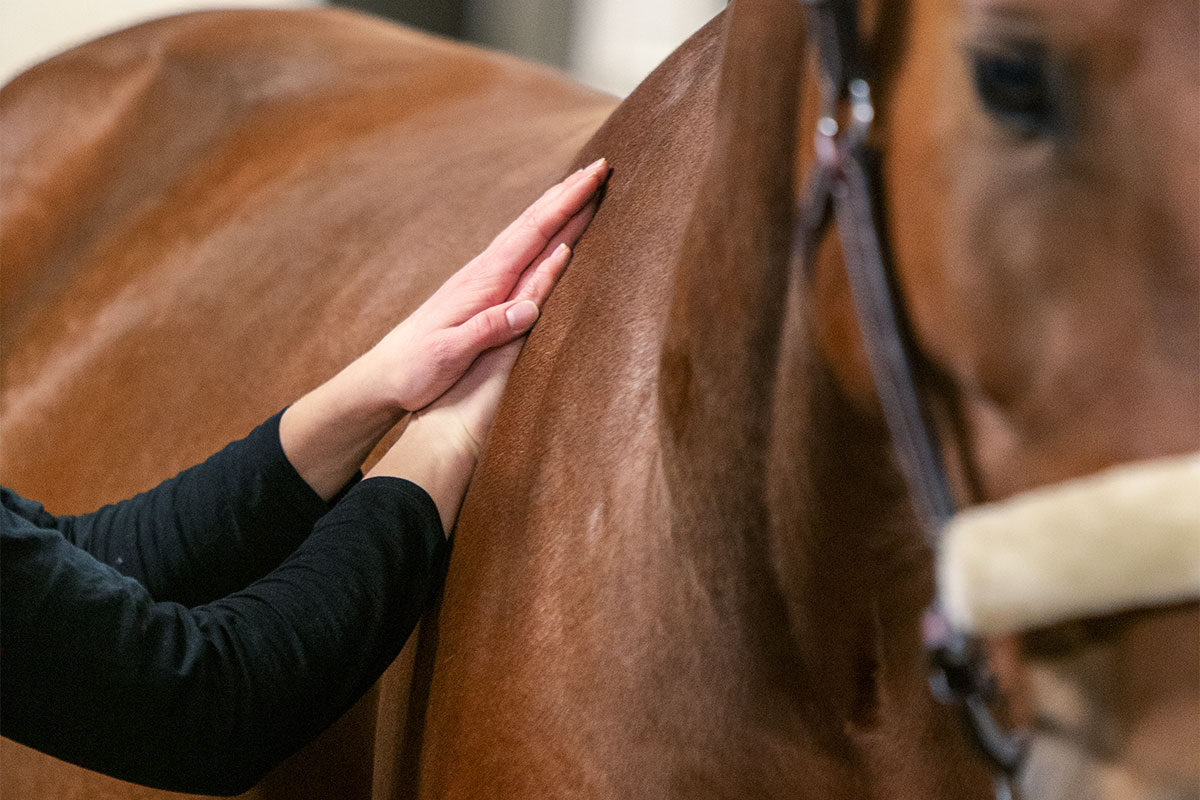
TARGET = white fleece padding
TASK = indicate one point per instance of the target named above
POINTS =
(1125, 538)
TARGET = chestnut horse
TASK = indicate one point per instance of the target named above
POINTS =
(688, 565)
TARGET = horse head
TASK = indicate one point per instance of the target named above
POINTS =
(1039, 171)
(1051, 152)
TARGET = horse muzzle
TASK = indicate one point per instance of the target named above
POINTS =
(1064, 566)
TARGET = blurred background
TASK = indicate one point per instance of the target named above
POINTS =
(609, 44)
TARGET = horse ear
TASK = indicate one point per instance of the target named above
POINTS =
(724, 325)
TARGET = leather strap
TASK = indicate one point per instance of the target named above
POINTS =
(843, 179)
(886, 339)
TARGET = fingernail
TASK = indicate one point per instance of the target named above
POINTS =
(595, 164)
(522, 315)
(561, 251)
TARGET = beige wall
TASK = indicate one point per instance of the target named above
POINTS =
(535, 29)
(616, 43)
(611, 44)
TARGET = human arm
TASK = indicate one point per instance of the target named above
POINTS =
(208, 699)
(205, 532)
(219, 525)
(441, 445)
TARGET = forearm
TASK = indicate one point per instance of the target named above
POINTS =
(328, 433)
(209, 530)
(206, 699)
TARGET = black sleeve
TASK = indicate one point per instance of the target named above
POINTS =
(208, 531)
(208, 699)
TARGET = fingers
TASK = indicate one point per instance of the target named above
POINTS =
(521, 315)
(466, 411)
(537, 281)
(470, 313)
(500, 324)
(490, 328)
(525, 238)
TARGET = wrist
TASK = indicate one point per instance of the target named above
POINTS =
(445, 441)
(364, 394)
(430, 455)
(327, 433)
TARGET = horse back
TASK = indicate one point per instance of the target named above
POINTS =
(205, 216)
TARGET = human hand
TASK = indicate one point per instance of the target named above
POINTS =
(464, 413)
(441, 445)
(492, 300)
(327, 433)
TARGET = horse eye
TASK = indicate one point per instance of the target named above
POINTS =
(1014, 89)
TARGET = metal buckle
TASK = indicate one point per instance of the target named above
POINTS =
(830, 148)
(958, 677)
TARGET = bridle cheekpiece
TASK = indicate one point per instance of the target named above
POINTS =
(843, 185)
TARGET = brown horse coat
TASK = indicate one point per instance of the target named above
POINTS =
(687, 566)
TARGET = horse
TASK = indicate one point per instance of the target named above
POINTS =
(688, 564)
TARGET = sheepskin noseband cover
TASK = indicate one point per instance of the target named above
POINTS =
(1122, 539)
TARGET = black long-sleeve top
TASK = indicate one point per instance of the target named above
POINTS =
(192, 637)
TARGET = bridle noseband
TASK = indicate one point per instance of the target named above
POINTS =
(843, 182)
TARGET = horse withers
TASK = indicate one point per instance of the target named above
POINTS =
(689, 565)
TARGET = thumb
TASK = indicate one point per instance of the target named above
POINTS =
(521, 315)
(497, 325)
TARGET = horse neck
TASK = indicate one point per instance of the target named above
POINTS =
(641, 582)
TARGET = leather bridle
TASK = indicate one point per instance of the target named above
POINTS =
(843, 185)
